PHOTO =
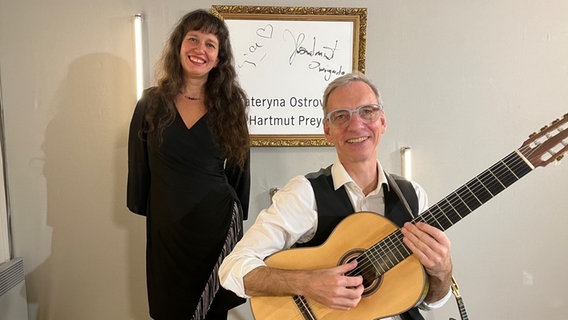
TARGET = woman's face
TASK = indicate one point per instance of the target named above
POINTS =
(199, 53)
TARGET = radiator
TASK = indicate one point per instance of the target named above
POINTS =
(13, 298)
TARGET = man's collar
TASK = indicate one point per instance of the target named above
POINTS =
(341, 177)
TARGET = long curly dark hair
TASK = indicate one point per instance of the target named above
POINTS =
(224, 99)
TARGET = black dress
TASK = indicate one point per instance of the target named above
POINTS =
(187, 193)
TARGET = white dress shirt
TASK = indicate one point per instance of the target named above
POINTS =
(292, 218)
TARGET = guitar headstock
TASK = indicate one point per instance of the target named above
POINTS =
(547, 145)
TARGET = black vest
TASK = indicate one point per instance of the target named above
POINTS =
(334, 205)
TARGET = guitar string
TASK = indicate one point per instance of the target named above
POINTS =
(305, 311)
(514, 165)
(390, 245)
(394, 241)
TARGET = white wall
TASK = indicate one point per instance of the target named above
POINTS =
(464, 83)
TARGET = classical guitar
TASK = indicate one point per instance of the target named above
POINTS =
(394, 279)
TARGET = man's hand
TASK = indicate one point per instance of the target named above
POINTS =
(432, 248)
(332, 288)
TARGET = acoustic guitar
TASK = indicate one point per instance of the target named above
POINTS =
(394, 279)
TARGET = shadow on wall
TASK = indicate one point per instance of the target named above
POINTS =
(96, 269)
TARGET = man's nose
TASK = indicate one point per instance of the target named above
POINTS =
(354, 119)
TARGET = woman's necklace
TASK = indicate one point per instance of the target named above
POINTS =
(191, 98)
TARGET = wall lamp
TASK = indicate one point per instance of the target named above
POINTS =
(139, 58)
(406, 162)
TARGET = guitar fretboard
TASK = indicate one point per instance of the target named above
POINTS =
(390, 251)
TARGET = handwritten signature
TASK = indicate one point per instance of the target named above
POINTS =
(327, 71)
(327, 52)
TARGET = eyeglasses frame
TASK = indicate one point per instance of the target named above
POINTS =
(379, 107)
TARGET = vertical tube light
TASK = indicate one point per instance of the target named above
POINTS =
(406, 162)
(139, 59)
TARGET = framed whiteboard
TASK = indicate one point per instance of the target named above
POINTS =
(285, 57)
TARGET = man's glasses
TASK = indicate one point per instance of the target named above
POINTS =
(368, 113)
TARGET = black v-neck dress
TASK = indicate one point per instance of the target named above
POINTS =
(187, 195)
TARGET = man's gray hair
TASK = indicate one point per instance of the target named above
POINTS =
(344, 80)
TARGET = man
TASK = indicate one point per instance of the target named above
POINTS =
(354, 123)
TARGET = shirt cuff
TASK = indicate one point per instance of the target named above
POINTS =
(436, 304)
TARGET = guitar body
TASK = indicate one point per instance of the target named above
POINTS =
(398, 290)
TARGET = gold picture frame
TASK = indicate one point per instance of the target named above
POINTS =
(285, 56)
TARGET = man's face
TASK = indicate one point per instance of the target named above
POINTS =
(357, 140)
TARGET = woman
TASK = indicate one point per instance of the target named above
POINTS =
(188, 170)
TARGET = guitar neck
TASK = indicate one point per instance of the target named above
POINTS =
(456, 206)
(445, 213)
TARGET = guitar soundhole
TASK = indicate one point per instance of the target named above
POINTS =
(371, 280)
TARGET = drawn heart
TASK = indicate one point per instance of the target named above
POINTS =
(265, 32)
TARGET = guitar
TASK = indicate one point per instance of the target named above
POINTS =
(394, 279)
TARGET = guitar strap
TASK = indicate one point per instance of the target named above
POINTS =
(455, 288)
(394, 185)
(459, 300)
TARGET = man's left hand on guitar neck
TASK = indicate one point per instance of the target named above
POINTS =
(432, 247)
